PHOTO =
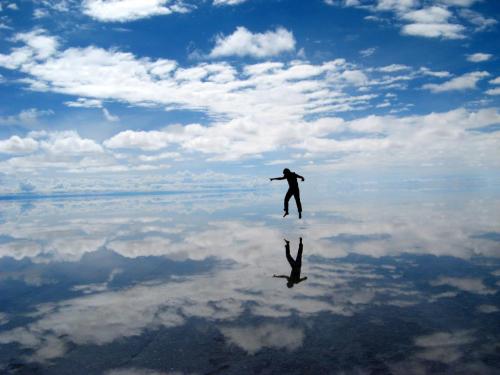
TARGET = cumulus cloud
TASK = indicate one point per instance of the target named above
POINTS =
(243, 42)
(17, 145)
(430, 15)
(130, 10)
(479, 57)
(256, 108)
(434, 30)
(37, 46)
(69, 142)
(464, 82)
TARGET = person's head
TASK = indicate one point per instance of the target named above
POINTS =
(286, 172)
(289, 284)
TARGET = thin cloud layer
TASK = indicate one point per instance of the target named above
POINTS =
(465, 82)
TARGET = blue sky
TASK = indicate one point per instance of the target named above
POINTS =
(155, 94)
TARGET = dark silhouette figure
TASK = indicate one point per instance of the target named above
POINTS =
(293, 189)
(296, 265)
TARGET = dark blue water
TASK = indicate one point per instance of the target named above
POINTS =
(400, 282)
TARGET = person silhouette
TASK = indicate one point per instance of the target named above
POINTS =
(293, 189)
(296, 265)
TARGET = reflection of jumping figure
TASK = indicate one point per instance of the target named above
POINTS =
(296, 265)
(293, 189)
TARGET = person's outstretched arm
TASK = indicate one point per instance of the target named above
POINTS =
(299, 176)
(277, 178)
(281, 276)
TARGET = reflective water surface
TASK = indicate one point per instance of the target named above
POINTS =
(402, 283)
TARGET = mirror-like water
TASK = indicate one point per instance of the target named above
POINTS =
(396, 283)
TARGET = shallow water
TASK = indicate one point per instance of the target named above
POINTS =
(397, 282)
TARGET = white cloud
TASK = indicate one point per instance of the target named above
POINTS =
(38, 46)
(228, 2)
(393, 68)
(84, 103)
(109, 117)
(368, 51)
(464, 82)
(280, 162)
(4, 319)
(495, 91)
(144, 140)
(471, 285)
(461, 3)
(256, 108)
(28, 116)
(445, 347)
(355, 77)
(495, 81)
(435, 30)
(40, 13)
(17, 145)
(482, 23)
(149, 246)
(436, 19)
(253, 339)
(394, 5)
(130, 10)
(430, 15)
(245, 43)
(42, 45)
(160, 156)
(439, 74)
(488, 309)
(479, 57)
(69, 142)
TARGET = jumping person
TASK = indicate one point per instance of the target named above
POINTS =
(296, 265)
(293, 189)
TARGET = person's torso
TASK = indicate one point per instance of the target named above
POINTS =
(292, 181)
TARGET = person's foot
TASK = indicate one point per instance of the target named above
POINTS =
(285, 214)
(300, 215)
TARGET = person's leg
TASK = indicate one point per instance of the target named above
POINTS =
(297, 201)
(298, 258)
(288, 255)
(288, 195)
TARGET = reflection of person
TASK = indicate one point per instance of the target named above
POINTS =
(293, 189)
(296, 265)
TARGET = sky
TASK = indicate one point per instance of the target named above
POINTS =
(129, 95)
